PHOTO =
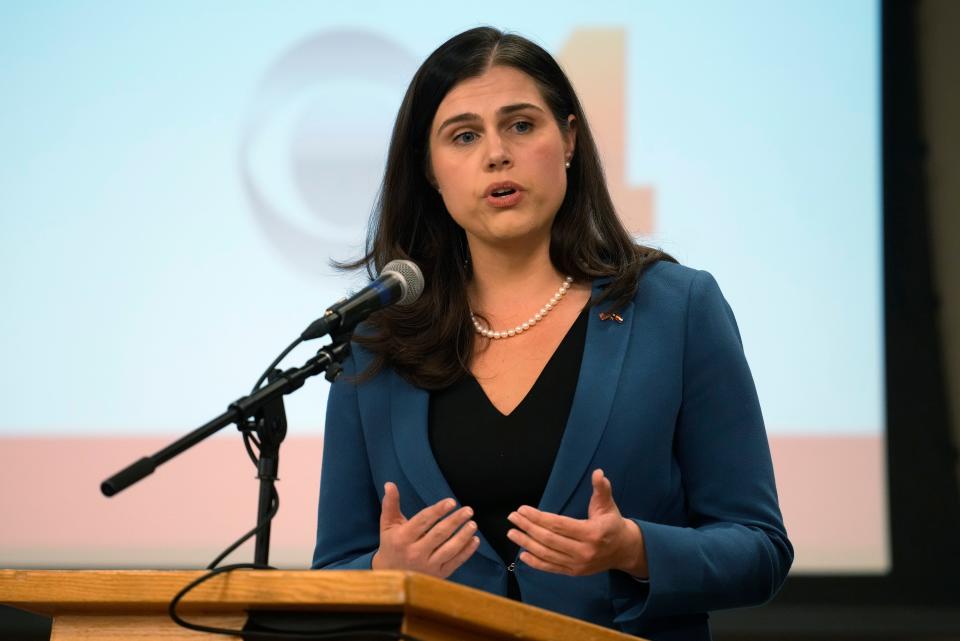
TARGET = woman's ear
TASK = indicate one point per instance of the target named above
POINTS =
(428, 172)
(570, 137)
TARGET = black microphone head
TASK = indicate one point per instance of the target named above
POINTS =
(411, 276)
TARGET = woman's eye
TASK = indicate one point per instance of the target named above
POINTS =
(522, 127)
(466, 137)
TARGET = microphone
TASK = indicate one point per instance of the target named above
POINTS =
(400, 282)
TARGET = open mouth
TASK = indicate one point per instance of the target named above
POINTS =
(504, 195)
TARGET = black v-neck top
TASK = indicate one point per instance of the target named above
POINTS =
(496, 463)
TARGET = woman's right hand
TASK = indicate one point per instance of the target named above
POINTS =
(433, 541)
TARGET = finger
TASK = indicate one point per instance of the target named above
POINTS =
(425, 518)
(545, 566)
(450, 566)
(390, 514)
(564, 525)
(453, 545)
(565, 545)
(602, 498)
(538, 549)
(444, 529)
(596, 478)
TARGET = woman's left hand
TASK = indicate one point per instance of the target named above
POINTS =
(605, 540)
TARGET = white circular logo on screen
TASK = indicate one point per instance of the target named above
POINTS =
(314, 146)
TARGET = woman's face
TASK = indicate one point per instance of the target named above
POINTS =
(498, 157)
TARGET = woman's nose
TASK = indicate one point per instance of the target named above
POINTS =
(497, 154)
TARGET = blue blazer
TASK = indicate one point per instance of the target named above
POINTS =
(665, 405)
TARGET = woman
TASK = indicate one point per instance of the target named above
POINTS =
(563, 417)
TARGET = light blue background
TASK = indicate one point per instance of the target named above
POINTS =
(141, 295)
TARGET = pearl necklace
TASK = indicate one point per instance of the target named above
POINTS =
(523, 327)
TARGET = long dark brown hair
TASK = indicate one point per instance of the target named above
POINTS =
(430, 343)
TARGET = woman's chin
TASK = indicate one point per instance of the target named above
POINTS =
(515, 227)
(517, 236)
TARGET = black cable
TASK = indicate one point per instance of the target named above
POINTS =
(253, 634)
(249, 438)
(275, 362)
(172, 608)
(274, 508)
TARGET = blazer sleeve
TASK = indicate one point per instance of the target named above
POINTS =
(734, 550)
(348, 521)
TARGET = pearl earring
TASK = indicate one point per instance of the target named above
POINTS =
(567, 164)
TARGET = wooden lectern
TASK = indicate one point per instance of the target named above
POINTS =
(132, 605)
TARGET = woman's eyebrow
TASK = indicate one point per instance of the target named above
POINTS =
(520, 106)
(472, 117)
(464, 117)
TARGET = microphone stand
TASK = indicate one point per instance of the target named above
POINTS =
(261, 411)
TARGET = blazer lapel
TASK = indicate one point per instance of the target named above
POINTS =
(408, 414)
(603, 356)
(409, 407)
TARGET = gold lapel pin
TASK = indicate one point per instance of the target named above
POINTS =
(611, 316)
